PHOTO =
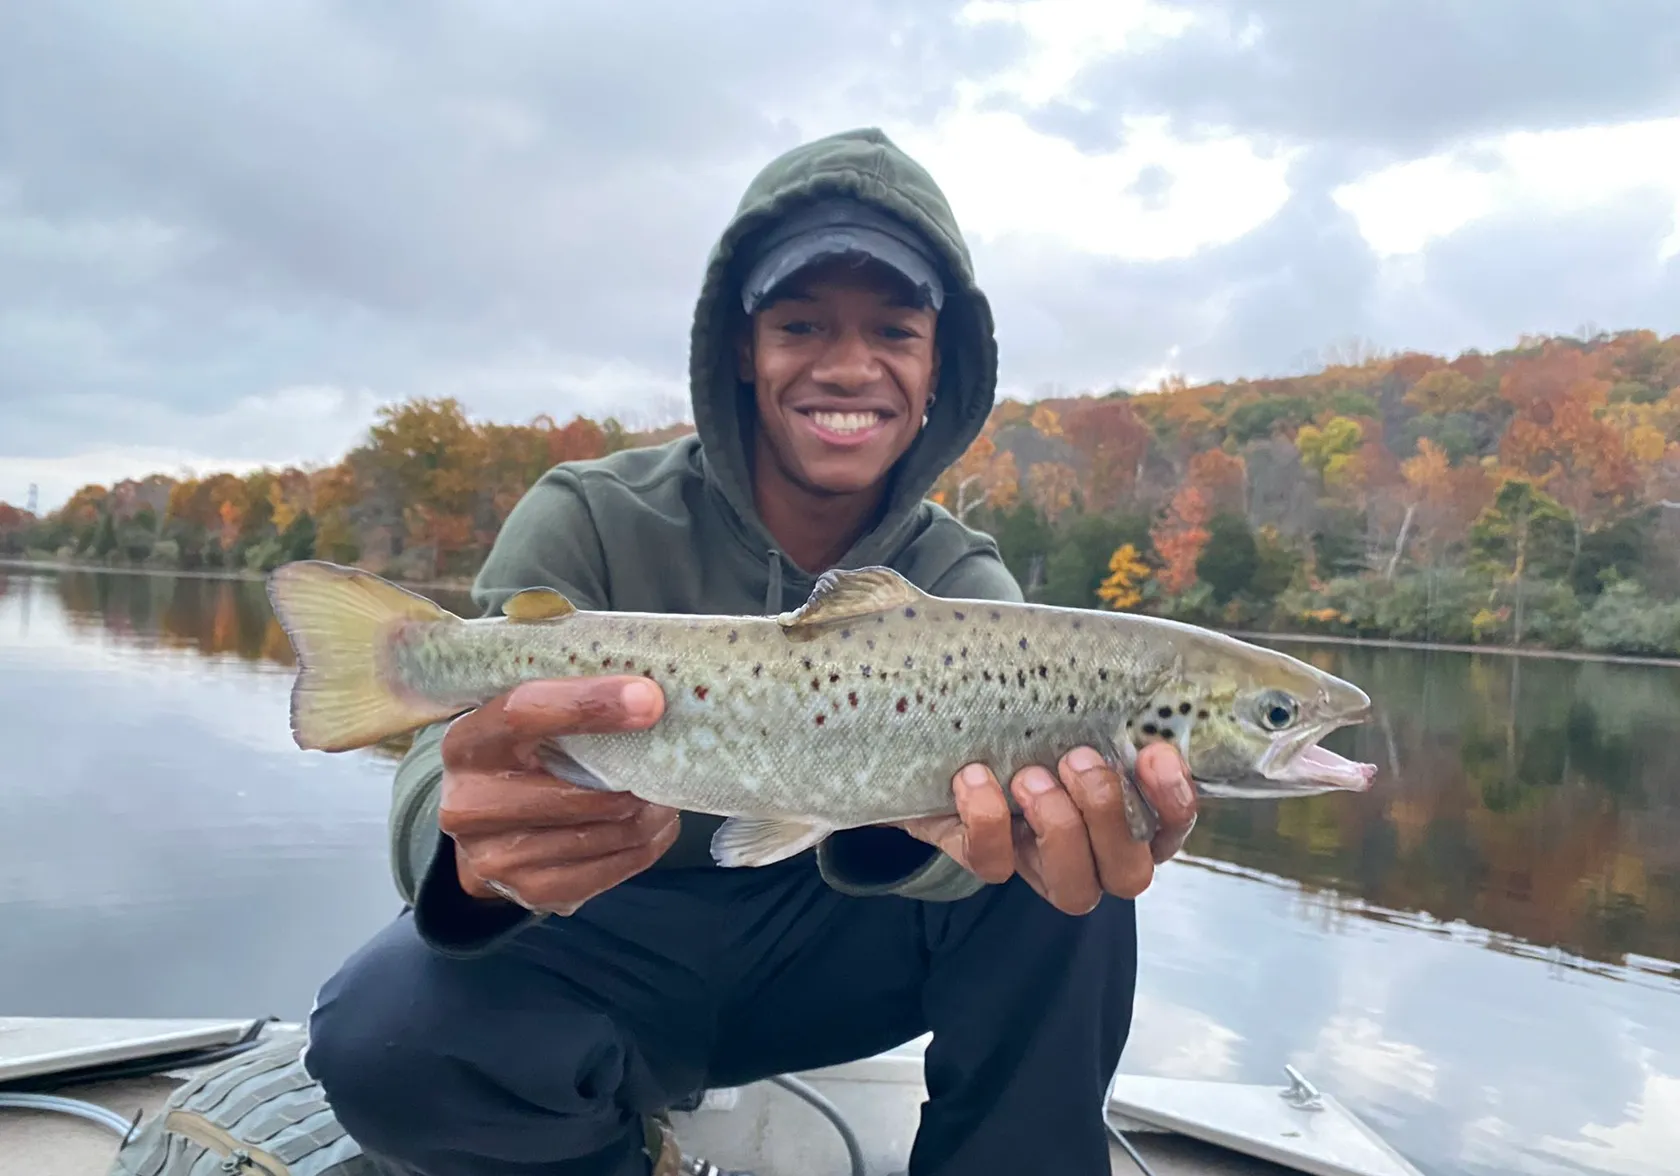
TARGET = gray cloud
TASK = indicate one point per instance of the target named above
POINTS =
(1402, 77)
(197, 214)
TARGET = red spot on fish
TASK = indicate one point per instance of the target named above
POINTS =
(700, 693)
(605, 662)
(903, 705)
(572, 658)
(821, 719)
(851, 697)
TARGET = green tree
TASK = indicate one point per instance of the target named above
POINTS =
(1229, 560)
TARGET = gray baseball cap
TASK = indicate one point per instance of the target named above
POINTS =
(840, 226)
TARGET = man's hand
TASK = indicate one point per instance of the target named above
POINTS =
(1073, 845)
(523, 835)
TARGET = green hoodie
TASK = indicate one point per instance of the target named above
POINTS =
(673, 528)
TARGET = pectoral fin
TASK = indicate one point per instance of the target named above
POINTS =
(748, 841)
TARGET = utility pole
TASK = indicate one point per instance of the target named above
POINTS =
(34, 497)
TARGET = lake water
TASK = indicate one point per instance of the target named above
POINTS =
(1479, 956)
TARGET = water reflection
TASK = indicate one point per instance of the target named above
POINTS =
(1478, 955)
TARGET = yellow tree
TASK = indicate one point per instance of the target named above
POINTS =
(1126, 573)
(982, 476)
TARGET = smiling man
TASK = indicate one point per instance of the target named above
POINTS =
(571, 963)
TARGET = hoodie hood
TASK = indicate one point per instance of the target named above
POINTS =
(869, 167)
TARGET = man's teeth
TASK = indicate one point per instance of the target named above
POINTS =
(846, 422)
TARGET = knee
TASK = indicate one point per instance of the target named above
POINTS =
(368, 1036)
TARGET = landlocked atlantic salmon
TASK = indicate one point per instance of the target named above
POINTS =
(855, 709)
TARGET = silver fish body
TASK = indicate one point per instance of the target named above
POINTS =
(856, 709)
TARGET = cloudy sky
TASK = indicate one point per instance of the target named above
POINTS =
(228, 232)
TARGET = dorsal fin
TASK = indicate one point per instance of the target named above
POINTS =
(537, 604)
(845, 595)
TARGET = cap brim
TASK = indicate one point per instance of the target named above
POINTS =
(788, 259)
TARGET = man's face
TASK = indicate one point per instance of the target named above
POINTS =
(842, 365)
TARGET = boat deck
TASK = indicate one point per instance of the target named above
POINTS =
(761, 1129)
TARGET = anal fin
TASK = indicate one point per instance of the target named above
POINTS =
(557, 763)
(761, 841)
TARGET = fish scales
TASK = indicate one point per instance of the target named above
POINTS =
(855, 709)
(865, 724)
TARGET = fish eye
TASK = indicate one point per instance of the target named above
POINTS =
(1277, 710)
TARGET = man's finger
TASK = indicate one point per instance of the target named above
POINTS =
(564, 888)
(507, 855)
(478, 803)
(988, 844)
(569, 706)
(1064, 850)
(1124, 866)
(1162, 779)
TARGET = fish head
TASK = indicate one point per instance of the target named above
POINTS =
(1248, 722)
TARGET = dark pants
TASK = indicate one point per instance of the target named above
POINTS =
(540, 1058)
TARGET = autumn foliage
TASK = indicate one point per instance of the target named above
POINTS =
(1509, 497)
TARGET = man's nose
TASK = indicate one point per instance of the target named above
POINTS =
(848, 362)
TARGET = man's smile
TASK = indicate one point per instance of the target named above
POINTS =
(848, 427)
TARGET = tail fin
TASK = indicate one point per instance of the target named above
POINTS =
(337, 618)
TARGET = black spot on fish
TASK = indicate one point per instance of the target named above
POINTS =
(865, 671)
(1165, 712)
(734, 636)
(807, 662)
(815, 685)
(996, 615)
(870, 643)
(594, 647)
(1029, 733)
(671, 668)
(956, 724)
(1078, 624)
(1184, 708)
(963, 653)
(948, 659)
(919, 698)
(821, 719)
(648, 674)
(758, 669)
(571, 658)
(851, 697)
(1201, 714)
(1073, 703)
(1102, 675)
(1150, 728)
(1166, 732)
(902, 705)
(1022, 643)
(700, 693)
(986, 674)
(845, 634)
(961, 616)
(1020, 677)
(909, 662)
(606, 662)
(833, 678)
(910, 613)
(529, 660)
(1043, 671)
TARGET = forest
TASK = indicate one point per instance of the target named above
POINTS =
(1529, 497)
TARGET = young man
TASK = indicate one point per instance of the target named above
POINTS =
(572, 963)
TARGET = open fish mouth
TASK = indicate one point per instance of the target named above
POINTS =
(1320, 769)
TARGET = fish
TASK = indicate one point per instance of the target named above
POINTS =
(855, 709)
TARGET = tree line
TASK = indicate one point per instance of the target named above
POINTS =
(1527, 497)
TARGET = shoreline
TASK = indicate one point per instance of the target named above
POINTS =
(32, 565)
(1630, 659)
